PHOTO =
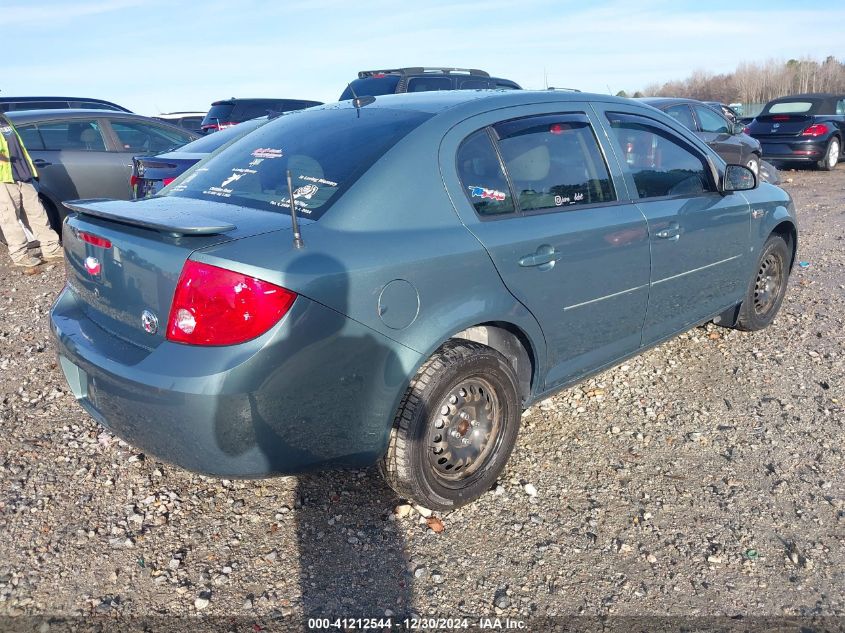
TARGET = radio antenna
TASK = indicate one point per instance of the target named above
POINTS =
(297, 237)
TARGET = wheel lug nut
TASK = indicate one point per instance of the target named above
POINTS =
(465, 441)
(464, 415)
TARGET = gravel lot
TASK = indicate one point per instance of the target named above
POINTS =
(705, 478)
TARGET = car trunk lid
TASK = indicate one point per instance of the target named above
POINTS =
(780, 125)
(124, 259)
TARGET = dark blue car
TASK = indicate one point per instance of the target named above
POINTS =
(150, 174)
(458, 256)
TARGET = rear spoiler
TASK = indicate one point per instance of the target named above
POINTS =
(172, 222)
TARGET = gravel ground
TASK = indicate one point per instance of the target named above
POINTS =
(703, 478)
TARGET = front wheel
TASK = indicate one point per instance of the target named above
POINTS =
(455, 427)
(767, 288)
(831, 156)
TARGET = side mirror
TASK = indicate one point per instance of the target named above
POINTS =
(738, 128)
(738, 178)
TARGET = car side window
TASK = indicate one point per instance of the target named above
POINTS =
(473, 84)
(428, 84)
(482, 177)
(661, 163)
(136, 136)
(711, 121)
(82, 135)
(554, 161)
(30, 137)
(682, 114)
(840, 106)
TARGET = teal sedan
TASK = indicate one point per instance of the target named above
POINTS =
(394, 280)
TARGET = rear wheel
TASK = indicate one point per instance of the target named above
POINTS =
(831, 156)
(455, 428)
(767, 288)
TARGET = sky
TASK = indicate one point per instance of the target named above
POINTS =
(155, 56)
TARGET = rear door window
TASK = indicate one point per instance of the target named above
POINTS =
(710, 121)
(473, 84)
(482, 176)
(82, 135)
(661, 163)
(145, 138)
(554, 161)
(31, 137)
(682, 114)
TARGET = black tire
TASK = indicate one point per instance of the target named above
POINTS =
(767, 287)
(445, 449)
(831, 155)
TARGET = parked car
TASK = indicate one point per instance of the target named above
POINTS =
(189, 120)
(14, 104)
(806, 128)
(88, 153)
(229, 112)
(422, 79)
(152, 173)
(462, 255)
(724, 136)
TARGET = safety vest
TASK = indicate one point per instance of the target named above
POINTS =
(5, 161)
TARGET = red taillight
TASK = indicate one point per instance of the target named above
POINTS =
(94, 239)
(133, 180)
(167, 181)
(780, 117)
(818, 129)
(223, 125)
(215, 306)
(746, 129)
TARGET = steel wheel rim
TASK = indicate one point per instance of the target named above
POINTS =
(768, 285)
(833, 153)
(464, 429)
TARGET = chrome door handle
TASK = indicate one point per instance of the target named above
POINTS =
(541, 258)
(672, 232)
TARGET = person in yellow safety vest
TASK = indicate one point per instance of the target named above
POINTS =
(19, 201)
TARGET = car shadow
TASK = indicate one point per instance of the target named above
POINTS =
(346, 529)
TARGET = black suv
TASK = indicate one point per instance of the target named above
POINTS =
(232, 111)
(373, 83)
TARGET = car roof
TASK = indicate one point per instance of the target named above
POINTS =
(27, 116)
(655, 101)
(438, 101)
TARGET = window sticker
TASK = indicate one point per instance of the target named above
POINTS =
(237, 174)
(306, 191)
(318, 181)
(483, 192)
(267, 152)
(561, 200)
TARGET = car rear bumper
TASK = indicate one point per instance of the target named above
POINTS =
(806, 151)
(280, 404)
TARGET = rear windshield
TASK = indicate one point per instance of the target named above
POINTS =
(371, 87)
(219, 114)
(790, 107)
(208, 144)
(325, 150)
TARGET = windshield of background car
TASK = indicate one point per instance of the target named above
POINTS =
(325, 150)
(790, 107)
(371, 87)
(208, 144)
